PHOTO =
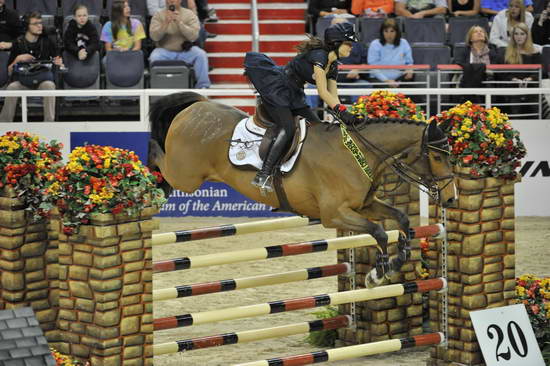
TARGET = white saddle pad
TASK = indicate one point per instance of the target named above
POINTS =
(245, 145)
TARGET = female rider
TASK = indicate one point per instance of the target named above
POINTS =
(282, 88)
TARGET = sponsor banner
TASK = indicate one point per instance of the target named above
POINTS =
(215, 199)
(531, 194)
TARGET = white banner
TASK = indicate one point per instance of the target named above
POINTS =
(533, 193)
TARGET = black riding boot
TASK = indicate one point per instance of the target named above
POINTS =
(264, 178)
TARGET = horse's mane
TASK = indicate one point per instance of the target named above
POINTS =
(373, 121)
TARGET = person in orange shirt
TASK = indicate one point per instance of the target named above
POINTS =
(372, 8)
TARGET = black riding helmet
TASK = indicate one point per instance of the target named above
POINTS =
(338, 33)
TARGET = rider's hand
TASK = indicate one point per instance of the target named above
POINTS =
(58, 61)
(343, 114)
(82, 54)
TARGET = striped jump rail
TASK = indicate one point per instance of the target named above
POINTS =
(346, 353)
(341, 321)
(249, 282)
(232, 229)
(275, 251)
(186, 320)
(347, 242)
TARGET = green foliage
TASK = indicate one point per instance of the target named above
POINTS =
(324, 338)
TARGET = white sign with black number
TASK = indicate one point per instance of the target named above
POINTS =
(506, 337)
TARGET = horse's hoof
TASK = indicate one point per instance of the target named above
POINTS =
(372, 280)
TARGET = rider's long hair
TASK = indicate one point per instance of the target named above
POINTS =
(309, 44)
(118, 20)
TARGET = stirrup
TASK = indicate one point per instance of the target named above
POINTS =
(264, 182)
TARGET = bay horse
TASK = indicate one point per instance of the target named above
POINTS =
(190, 137)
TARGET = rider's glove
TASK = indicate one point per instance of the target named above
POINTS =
(342, 113)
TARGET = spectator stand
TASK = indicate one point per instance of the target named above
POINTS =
(421, 80)
(446, 78)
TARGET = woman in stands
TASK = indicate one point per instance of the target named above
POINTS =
(541, 27)
(464, 8)
(390, 49)
(506, 19)
(122, 33)
(521, 50)
(282, 88)
(81, 38)
(477, 50)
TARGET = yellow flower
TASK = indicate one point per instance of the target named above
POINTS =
(74, 167)
(520, 291)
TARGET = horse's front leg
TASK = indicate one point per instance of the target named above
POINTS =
(349, 219)
(379, 209)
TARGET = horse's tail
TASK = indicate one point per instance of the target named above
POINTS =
(161, 114)
(164, 110)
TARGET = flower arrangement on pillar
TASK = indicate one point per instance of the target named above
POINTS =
(482, 140)
(27, 167)
(102, 179)
(385, 104)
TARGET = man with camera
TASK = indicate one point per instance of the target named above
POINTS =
(30, 66)
(174, 29)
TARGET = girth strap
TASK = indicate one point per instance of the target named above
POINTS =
(284, 205)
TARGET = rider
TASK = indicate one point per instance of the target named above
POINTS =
(282, 88)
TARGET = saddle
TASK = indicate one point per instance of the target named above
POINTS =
(262, 120)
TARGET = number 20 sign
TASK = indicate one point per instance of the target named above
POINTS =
(506, 337)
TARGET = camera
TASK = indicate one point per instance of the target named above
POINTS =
(172, 8)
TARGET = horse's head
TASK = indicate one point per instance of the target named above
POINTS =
(439, 177)
(427, 164)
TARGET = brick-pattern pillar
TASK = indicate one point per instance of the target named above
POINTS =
(395, 317)
(481, 262)
(24, 258)
(105, 287)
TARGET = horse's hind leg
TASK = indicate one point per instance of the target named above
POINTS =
(351, 220)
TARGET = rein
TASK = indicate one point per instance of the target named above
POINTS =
(405, 171)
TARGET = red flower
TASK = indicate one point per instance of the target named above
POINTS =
(467, 159)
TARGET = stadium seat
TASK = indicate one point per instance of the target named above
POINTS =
(81, 74)
(10, 4)
(95, 7)
(432, 55)
(168, 74)
(4, 77)
(545, 59)
(48, 7)
(370, 28)
(459, 27)
(124, 69)
(458, 47)
(426, 30)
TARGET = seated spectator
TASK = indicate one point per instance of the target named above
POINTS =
(464, 8)
(493, 7)
(10, 26)
(473, 58)
(174, 29)
(506, 19)
(81, 38)
(322, 8)
(390, 49)
(199, 7)
(541, 27)
(521, 50)
(358, 56)
(372, 8)
(122, 33)
(34, 45)
(418, 9)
